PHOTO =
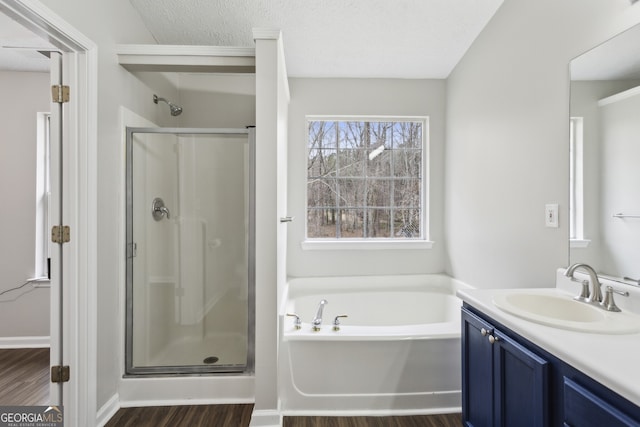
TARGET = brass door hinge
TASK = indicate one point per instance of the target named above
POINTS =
(60, 374)
(60, 94)
(60, 234)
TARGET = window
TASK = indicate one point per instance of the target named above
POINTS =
(576, 186)
(42, 196)
(366, 179)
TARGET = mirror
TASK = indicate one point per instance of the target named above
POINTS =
(605, 158)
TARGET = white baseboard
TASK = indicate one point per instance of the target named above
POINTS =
(181, 402)
(108, 410)
(25, 342)
(266, 418)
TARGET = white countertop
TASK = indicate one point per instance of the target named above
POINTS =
(612, 360)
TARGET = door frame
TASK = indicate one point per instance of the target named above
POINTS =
(79, 301)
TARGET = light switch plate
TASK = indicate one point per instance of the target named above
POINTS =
(551, 215)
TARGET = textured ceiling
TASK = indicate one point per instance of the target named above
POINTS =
(332, 38)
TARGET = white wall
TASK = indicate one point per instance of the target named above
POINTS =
(507, 133)
(107, 24)
(23, 313)
(387, 97)
(217, 100)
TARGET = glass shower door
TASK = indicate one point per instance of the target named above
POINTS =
(189, 250)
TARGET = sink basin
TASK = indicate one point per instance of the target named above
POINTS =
(555, 308)
(552, 306)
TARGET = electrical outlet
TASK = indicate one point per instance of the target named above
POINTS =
(551, 215)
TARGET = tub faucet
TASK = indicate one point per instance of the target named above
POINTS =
(596, 293)
(317, 321)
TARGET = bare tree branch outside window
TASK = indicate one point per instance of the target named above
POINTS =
(364, 179)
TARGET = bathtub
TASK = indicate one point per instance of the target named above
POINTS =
(397, 352)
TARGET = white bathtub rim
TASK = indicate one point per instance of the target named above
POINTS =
(427, 331)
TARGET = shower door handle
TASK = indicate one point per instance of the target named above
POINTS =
(158, 209)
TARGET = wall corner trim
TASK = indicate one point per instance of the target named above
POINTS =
(108, 410)
(266, 418)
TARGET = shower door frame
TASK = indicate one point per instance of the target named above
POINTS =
(129, 369)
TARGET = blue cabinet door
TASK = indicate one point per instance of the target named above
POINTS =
(503, 383)
(477, 372)
(520, 385)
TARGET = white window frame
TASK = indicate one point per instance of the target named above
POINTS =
(576, 183)
(42, 196)
(385, 242)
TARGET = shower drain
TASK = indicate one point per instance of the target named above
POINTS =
(210, 360)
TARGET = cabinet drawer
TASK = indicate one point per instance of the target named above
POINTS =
(582, 408)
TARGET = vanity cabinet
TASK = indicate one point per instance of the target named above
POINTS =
(504, 384)
(509, 381)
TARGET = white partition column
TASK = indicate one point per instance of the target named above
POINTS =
(272, 97)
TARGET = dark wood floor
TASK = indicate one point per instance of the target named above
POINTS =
(448, 420)
(24, 376)
(240, 416)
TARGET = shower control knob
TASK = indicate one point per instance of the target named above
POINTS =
(158, 209)
(297, 323)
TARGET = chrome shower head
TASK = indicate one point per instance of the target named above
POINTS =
(175, 109)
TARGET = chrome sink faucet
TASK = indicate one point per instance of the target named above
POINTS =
(595, 295)
(317, 321)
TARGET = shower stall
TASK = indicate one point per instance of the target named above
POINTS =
(190, 243)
